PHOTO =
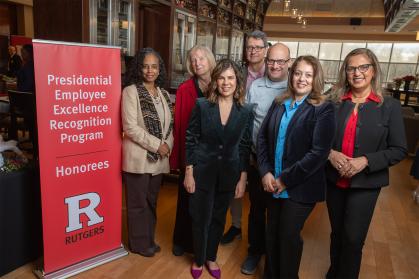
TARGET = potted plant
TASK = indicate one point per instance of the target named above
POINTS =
(397, 82)
(407, 80)
(11, 158)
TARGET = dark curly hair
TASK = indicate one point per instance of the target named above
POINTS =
(134, 73)
(223, 65)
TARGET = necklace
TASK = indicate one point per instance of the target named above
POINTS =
(156, 98)
(154, 95)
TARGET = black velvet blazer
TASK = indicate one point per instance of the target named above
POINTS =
(379, 136)
(219, 154)
(307, 145)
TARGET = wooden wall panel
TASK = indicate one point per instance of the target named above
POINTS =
(59, 20)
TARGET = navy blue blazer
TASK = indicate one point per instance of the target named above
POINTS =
(308, 142)
(219, 154)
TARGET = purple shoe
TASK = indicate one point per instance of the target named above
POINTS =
(216, 273)
(196, 273)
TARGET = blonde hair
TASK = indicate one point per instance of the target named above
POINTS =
(342, 85)
(315, 97)
(207, 53)
(223, 65)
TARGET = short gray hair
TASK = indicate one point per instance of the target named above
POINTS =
(257, 34)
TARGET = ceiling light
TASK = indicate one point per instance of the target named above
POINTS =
(287, 5)
(294, 13)
(304, 23)
(300, 18)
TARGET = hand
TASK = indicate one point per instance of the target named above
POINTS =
(280, 186)
(269, 183)
(338, 160)
(355, 165)
(189, 181)
(241, 186)
(163, 150)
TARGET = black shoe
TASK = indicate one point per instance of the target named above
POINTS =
(177, 250)
(157, 248)
(147, 253)
(231, 234)
(250, 264)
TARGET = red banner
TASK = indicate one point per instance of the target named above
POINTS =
(78, 91)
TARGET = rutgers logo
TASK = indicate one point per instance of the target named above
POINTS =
(75, 211)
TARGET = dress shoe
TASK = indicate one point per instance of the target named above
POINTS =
(156, 248)
(177, 250)
(416, 197)
(231, 234)
(216, 273)
(147, 253)
(250, 264)
(196, 273)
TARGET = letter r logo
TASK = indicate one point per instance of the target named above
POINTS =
(74, 211)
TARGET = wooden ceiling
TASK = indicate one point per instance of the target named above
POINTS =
(331, 20)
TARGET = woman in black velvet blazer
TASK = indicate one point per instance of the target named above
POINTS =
(218, 141)
(369, 138)
(293, 144)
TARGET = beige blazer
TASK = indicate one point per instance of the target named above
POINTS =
(137, 140)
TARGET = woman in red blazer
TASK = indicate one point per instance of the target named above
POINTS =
(200, 62)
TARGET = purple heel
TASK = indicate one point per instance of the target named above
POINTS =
(216, 273)
(196, 273)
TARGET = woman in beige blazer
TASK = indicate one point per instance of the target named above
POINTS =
(147, 120)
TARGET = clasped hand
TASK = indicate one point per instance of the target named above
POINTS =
(163, 150)
(272, 185)
(347, 166)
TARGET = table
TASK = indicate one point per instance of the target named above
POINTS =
(396, 94)
(20, 217)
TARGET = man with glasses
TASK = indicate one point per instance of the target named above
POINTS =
(256, 47)
(261, 94)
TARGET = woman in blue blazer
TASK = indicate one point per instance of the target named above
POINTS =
(293, 144)
(218, 141)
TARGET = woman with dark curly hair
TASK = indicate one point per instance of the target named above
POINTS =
(147, 121)
(218, 142)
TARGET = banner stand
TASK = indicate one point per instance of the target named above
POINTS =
(83, 265)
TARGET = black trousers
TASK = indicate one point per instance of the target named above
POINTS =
(141, 196)
(257, 214)
(182, 233)
(284, 245)
(350, 213)
(208, 209)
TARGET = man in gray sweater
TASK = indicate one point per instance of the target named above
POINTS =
(261, 94)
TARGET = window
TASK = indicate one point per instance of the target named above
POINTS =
(330, 51)
(308, 48)
(348, 47)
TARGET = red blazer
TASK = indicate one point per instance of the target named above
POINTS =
(186, 96)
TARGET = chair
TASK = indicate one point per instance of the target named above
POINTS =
(411, 125)
(4, 117)
(22, 105)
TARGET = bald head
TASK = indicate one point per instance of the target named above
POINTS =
(279, 47)
(278, 62)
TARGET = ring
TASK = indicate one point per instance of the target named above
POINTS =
(339, 166)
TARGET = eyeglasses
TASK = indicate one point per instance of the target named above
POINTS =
(361, 68)
(280, 62)
(254, 48)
